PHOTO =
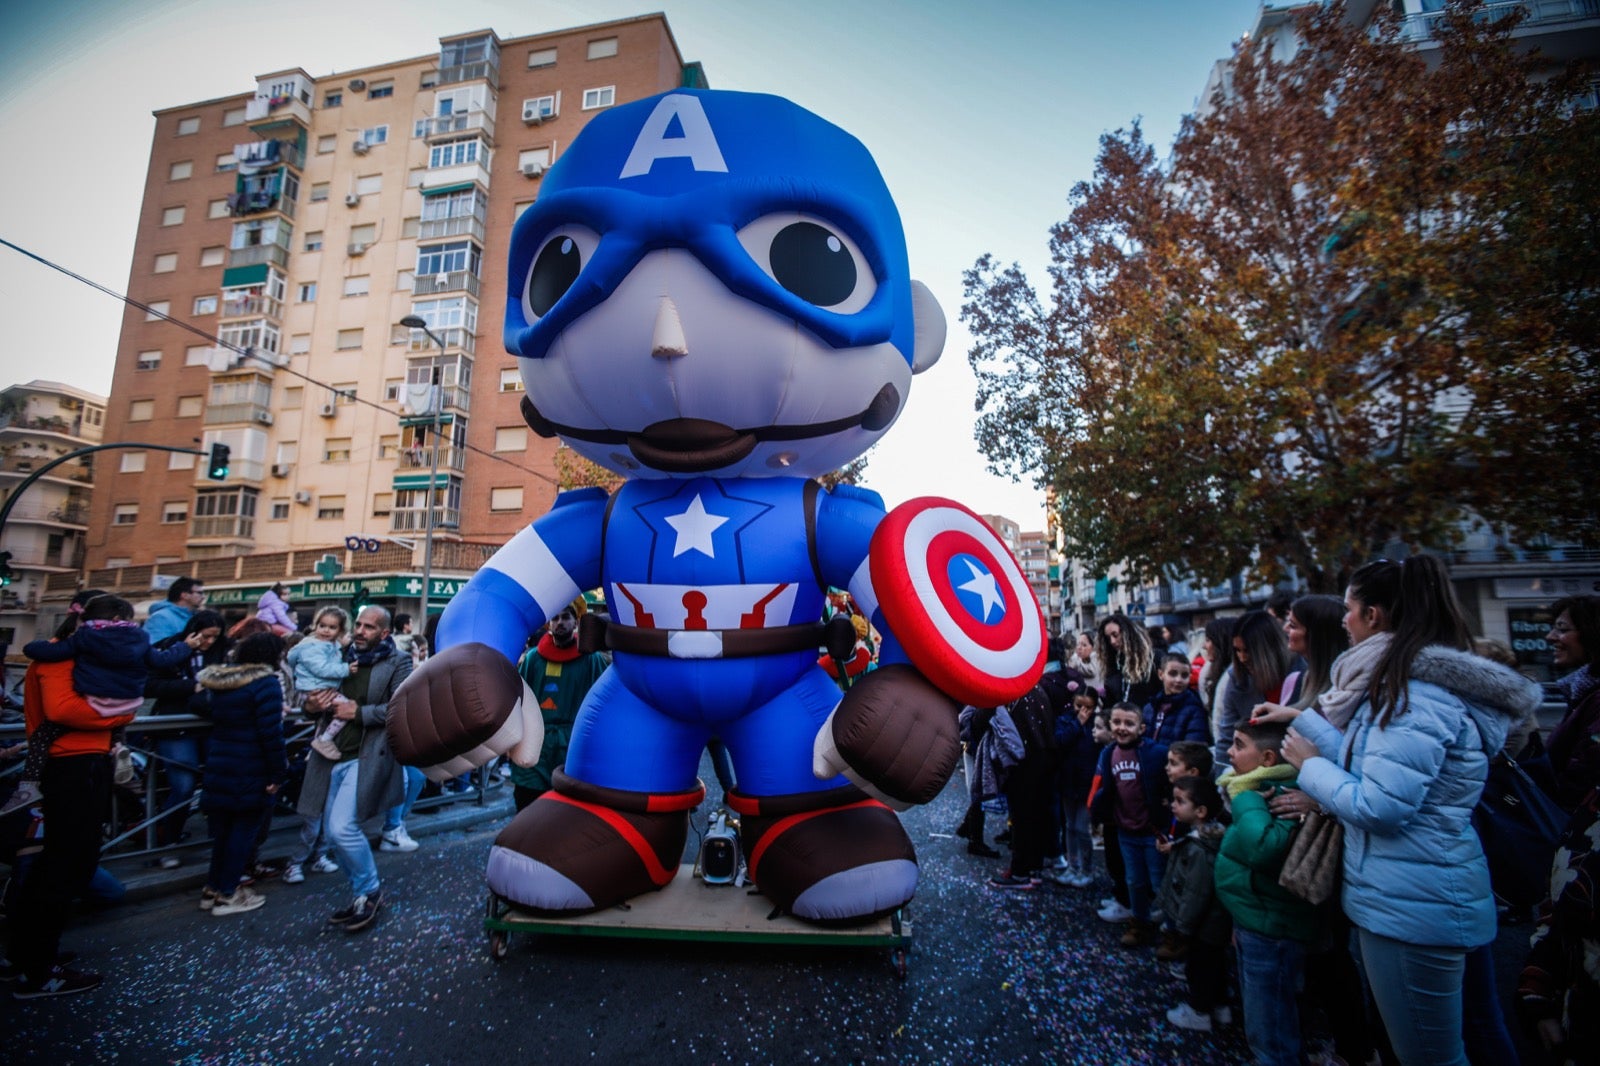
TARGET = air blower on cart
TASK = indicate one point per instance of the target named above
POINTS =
(720, 861)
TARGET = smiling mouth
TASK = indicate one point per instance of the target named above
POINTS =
(692, 445)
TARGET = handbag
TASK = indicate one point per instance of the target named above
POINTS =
(1519, 826)
(1315, 862)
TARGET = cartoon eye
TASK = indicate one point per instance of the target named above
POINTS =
(556, 267)
(812, 259)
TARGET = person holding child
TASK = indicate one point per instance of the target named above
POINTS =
(1190, 902)
(111, 659)
(319, 665)
(1127, 791)
(1403, 778)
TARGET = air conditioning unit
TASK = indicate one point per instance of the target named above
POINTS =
(532, 112)
(532, 170)
(352, 200)
(264, 417)
(357, 85)
(326, 410)
(357, 249)
(281, 469)
(302, 496)
(361, 148)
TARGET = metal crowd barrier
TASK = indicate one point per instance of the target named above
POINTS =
(135, 810)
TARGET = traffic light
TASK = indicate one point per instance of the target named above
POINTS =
(5, 569)
(217, 469)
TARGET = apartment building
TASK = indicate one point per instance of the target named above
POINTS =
(41, 422)
(300, 222)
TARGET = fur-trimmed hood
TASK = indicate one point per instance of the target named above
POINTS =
(230, 676)
(1478, 681)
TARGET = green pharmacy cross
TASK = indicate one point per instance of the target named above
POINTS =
(329, 567)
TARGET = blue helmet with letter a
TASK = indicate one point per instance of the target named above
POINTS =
(716, 283)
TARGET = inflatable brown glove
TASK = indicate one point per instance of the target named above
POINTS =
(894, 735)
(462, 708)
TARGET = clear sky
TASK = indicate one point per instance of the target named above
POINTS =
(982, 115)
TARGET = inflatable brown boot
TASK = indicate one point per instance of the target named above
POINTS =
(833, 856)
(581, 847)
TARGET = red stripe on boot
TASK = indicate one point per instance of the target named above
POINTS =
(652, 865)
(783, 825)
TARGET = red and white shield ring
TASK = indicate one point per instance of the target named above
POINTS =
(958, 601)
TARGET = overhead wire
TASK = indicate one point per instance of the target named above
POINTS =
(248, 352)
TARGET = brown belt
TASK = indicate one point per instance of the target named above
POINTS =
(712, 643)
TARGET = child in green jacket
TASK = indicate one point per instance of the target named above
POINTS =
(1271, 926)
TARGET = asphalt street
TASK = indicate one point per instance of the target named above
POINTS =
(994, 977)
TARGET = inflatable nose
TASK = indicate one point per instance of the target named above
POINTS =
(668, 341)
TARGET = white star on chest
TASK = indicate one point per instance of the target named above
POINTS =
(694, 528)
(983, 586)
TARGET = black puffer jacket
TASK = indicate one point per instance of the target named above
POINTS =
(246, 753)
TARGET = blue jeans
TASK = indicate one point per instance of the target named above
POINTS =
(1485, 1035)
(1079, 843)
(343, 829)
(312, 846)
(1270, 972)
(181, 782)
(1418, 992)
(1145, 866)
(395, 817)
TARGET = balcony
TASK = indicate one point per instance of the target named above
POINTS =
(227, 414)
(483, 70)
(229, 526)
(1544, 18)
(433, 229)
(452, 281)
(454, 339)
(37, 558)
(457, 174)
(67, 514)
(420, 457)
(250, 306)
(27, 464)
(415, 520)
(266, 112)
(453, 125)
(275, 254)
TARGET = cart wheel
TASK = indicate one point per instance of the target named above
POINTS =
(499, 945)
(900, 962)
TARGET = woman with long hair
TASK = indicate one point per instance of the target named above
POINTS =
(176, 690)
(1574, 749)
(1261, 666)
(1128, 661)
(1403, 777)
(1218, 652)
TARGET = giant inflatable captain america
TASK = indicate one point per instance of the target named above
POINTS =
(711, 298)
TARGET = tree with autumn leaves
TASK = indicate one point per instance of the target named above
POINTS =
(1357, 304)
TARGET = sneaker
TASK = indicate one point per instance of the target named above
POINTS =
(60, 982)
(1222, 1016)
(358, 906)
(27, 793)
(1180, 970)
(169, 862)
(293, 874)
(1186, 1017)
(1055, 876)
(266, 871)
(209, 897)
(326, 748)
(1115, 912)
(325, 865)
(504, 772)
(243, 899)
(365, 912)
(397, 839)
(1007, 880)
(1083, 879)
(10, 971)
(1172, 947)
(1106, 901)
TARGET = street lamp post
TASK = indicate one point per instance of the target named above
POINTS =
(416, 322)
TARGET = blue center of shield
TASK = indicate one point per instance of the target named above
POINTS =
(975, 587)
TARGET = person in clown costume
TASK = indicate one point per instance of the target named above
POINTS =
(711, 298)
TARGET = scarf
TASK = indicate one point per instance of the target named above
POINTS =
(1577, 685)
(378, 652)
(550, 651)
(1258, 778)
(1350, 680)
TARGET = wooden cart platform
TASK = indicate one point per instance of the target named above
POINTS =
(689, 909)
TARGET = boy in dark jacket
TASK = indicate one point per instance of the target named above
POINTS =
(1189, 900)
(1272, 926)
(1129, 784)
(1178, 713)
